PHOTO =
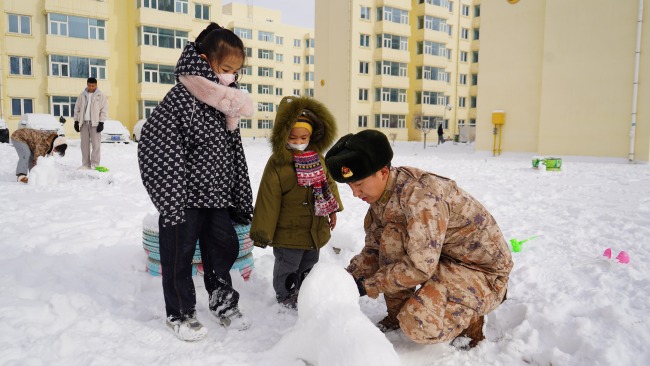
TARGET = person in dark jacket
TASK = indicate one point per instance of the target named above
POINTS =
(31, 144)
(193, 166)
(441, 132)
(297, 200)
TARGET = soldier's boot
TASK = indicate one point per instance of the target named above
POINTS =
(388, 324)
(393, 306)
(474, 332)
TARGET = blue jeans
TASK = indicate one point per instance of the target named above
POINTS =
(219, 249)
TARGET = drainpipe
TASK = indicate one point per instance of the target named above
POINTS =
(635, 91)
(2, 99)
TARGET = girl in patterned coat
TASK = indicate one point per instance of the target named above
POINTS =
(297, 200)
(193, 166)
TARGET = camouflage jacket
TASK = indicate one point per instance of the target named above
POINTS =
(420, 219)
(39, 142)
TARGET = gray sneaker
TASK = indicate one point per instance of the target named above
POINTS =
(187, 330)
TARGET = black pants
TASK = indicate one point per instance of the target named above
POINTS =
(219, 249)
(289, 262)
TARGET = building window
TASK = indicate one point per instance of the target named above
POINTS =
(181, 6)
(391, 68)
(202, 11)
(464, 33)
(296, 92)
(146, 107)
(62, 106)
(20, 65)
(430, 97)
(472, 102)
(246, 70)
(296, 42)
(265, 124)
(392, 41)
(279, 74)
(76, 27)
(265, 89)
(162, 74)
(309, 76)
(244, 33)
(477, 10)
(77, 67)
(477, 33)
(20, 24)
(474, 79)
(309, 43)
(296, 76)
(432, 48)
(20, 106)
(365, 12)
(461, 122)
(475, 56)
(462, 102)
(246, 87)
(363, 121)
(433, 23)
(392, 15)
(390, 121)
(463, 56)
(363, 94)
(364, 40)
(464, 10)
(309, 92)
(246, 123)
(265, 54)
(278, 91)
(265, 71)
(279, 40)
(309, 60)
(462, 79)
(363, 67)
(296, 59)
(442, 3)
(161, 37)
(279, 57)
(264, 107)
(431, 73)
(265, 36)
(392, 95)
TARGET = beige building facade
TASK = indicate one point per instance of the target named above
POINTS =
(389, 64)
(48, 48)
(564, 74)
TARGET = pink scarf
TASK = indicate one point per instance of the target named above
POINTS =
(309, 172)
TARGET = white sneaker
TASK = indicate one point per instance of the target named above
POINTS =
(234, 320)
(187, 330)
(83, 167)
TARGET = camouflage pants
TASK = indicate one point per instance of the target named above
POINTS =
(448, 303)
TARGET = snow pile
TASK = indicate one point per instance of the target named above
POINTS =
(44, 173)
(331, 329)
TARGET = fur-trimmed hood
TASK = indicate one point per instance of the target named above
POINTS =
(290, 108)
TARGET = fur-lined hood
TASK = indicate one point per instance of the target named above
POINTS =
(323, 123)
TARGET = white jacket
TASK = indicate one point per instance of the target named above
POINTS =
(98, 108)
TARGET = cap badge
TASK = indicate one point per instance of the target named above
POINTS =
(346, 172)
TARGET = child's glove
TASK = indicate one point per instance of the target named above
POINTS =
(240, 218)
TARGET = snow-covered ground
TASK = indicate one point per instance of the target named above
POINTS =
(74, 290)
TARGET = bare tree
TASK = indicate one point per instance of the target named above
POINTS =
(418, 121)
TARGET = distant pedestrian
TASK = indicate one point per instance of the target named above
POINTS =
(30, 144)
(441, 139)
(90, 112)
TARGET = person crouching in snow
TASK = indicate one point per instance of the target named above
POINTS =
(297, 199)
(193, 167)
(432, 249)
(30, 144)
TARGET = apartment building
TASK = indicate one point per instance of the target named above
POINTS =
(393, 65)
(48, 48)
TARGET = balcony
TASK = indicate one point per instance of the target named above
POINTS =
(391, 54)
(72, 86)
(90, 9)
(397, 29)
(163, 19)
(61, 45)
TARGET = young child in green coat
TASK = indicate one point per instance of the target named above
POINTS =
(297, 199)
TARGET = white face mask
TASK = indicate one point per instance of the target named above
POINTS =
(226, 79)
(299, 147)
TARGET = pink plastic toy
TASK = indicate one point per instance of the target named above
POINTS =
(623, 257)
(608, 253)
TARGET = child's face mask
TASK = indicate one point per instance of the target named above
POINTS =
(226, 79)
(299, 147)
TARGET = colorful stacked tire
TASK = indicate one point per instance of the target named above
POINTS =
(244, 263)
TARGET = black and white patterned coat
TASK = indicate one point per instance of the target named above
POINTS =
(187, 157)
